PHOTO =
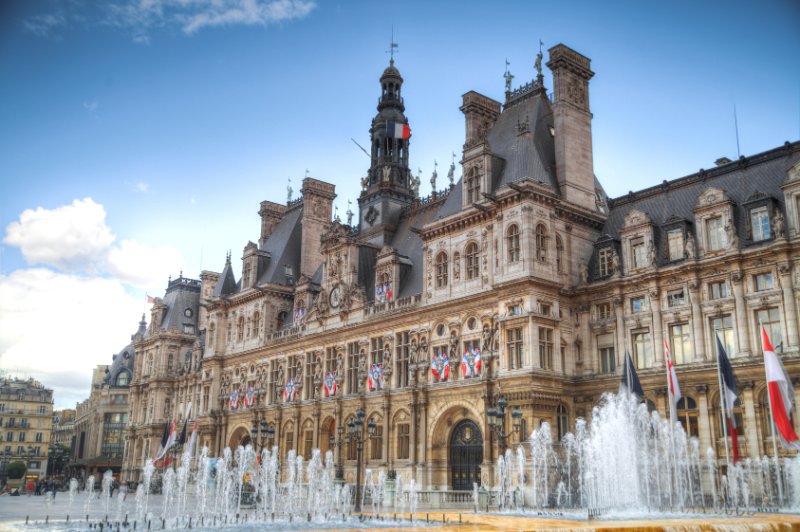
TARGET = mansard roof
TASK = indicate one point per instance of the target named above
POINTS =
(283, 246)
(521, 137)
(763, 173)
(122, 361)
(182, 294)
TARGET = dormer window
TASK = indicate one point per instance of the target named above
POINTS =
(473, 183)
(759, 222)
(638, 252)
(604, 262)
(675, 244)
(715, 233)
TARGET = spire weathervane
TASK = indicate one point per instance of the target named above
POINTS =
(392, 48)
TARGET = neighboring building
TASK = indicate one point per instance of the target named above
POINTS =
(524, 260)
(100, 420)
(26, 418)
(63, 427)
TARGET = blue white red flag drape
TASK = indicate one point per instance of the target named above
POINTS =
(383, 292)
(730, 392)
(234, 399)
(673, 388)
(250, 396)
(471, 362)
(397, 130)
(375, 377)
(781, 395)
(329, 384)
(289, 391)
(440, 364)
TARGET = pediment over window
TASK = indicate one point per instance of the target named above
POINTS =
(793, 174)
(756, 197)
(711, 196)
(636, 217)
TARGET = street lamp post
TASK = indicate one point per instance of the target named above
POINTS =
(497, 422)
(355, 434)
(338, 442)
(29, 458)
(6, 460)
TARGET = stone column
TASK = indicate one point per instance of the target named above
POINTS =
(754, 443)
(658, 334)
(789, 304)
(619, 309)
(697, 321)
(704, 421)
(316, 414)
(412, 407)
(742, 323)
(387, 435)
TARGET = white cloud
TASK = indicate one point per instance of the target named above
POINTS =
(141, 186)
(91, 105)
(72, 237)
(56, 327)
(45, 25)
(76, 239)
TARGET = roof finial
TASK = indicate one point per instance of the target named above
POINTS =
(289, 191)
(508, 76)
(434, 175)
(228, 257)
(392, 48)
(451, 173)
(538, 65)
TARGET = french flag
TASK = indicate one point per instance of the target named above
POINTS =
(781, 394)
(730, 394)
(629, 383)
(672, 381)
(398, 130)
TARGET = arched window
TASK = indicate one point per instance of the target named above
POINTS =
(687, 415)
(559, 255)
(240, 328)
(170, 361)
(512, 238)
(123, 378)
(441, 270)
(280, 320)
(541, 243)
(376, 442)
(256, 323)
(562, 421)
(472, 261)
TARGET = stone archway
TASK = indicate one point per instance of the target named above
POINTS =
(465, 454)
(327, 431)
(240, 436)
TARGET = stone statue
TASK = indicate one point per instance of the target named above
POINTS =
(508, 77)
(387, 355)
(730, 232)
(362, 364)
(414, 183)
(289, 191)
(615, 266)
(778, 228)
(364, 183)
(413, 352)
(584, 271)
(651, 254)
(423, 349)
(689, 247)
(434, 175)
(451, 173)
(453, 345)
(322, 301)
(486, 339)
(387, 172)
(349, 214)
(537, 65)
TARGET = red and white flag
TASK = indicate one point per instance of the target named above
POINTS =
(162, 460)
(781, 394)
(150, 299)
(672, 381)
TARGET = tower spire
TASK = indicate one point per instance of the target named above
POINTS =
(392, 48)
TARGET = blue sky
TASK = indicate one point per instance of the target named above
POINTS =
(147, 132)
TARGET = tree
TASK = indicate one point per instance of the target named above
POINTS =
(16, 470)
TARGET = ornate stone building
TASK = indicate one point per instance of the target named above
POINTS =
(26, 418)
(521, 281)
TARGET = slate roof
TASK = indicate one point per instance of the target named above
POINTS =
(227, 281)
(521, 136)
(181, 294)
(764, 173)
(123, 361)
(283, 246)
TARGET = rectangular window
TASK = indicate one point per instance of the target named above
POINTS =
(545, 348)
(308, 444)
(638, 252)
(675, 244)
(676, 298)
(376, 444)
(608, 363)
(403, 441)
(515, 310)
(277, 387)
(642, 349)
(330, 360)
(402, 342)
(759, 221)
(637, 304)
(604, 262)
(718, 290)
(680, 344)
(715, 234)
(544, 309)
(289, 440)
(722, 327)
(772, 323)
(352, 367)
(38, 437)
(514, 346)
(9, 436)
(21, 436)
(603, 311)
(376, 351)
(763, 281)
(308, 378)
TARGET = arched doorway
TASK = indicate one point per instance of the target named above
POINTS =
(466, 455)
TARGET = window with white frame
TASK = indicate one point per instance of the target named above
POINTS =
(763, 281)
(759, 223)
(605, 346)
(722, 327)
(771, 319)
(638, 252)
(715, 234)
(512, 237)
(675, 244)
(717, 290)
(642, 349)
(680, 343)
(604, 262)
(545, 348)
(603, 310)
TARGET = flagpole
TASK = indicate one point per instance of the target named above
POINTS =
(670, 398)
(772, 421)
(722, 405)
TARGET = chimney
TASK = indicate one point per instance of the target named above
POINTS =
(271, 214)
(318, 199)
(572, 122)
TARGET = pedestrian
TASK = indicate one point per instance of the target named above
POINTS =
(124, 490)
(51, 487)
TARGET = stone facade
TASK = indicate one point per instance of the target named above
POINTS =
(26, 418)
(524, 260)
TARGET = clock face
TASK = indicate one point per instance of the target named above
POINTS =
(335, 298)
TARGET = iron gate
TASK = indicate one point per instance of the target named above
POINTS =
(466, 455)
